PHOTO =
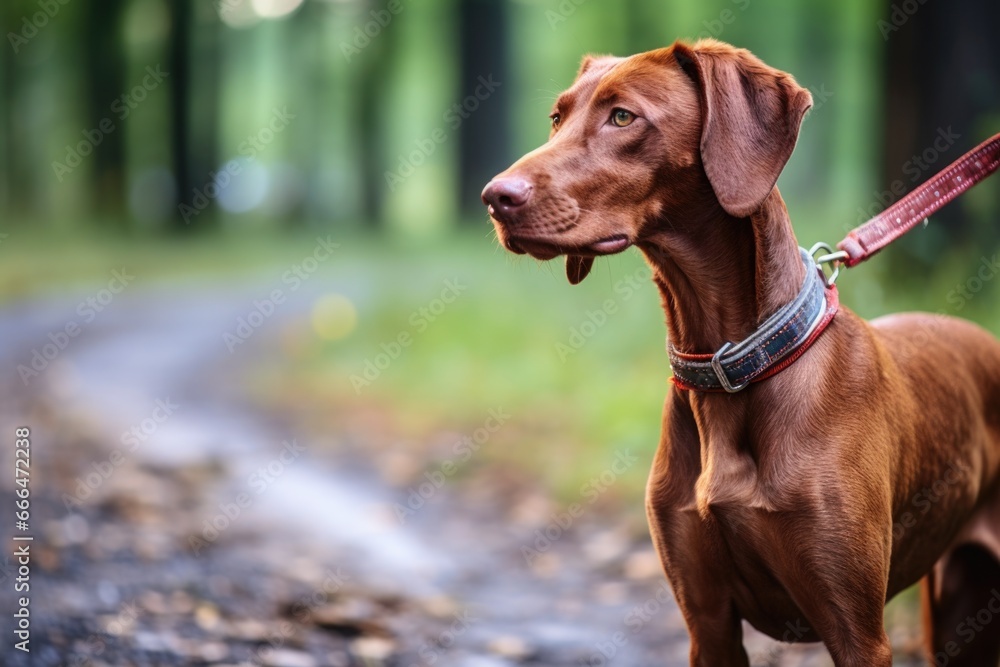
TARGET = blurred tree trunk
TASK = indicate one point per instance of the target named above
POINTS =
(482, 116)
(307, 26)
(8, 188)
(942, 82)
(204, 109)
(180, 102)
(194, 92)
(375, 62)
(104, 66)
(645, 27)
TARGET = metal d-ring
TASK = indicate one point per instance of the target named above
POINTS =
(832, 257)
(721, 373)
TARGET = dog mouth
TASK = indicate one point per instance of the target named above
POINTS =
(544, 249)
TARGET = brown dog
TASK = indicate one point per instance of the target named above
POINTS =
(805, 502)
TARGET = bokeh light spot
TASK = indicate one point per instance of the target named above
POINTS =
(272, 9)
(334, 317)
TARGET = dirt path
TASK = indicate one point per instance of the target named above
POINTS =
(220, 535)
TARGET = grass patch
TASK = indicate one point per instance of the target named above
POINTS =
(445, 335)
(444, 330)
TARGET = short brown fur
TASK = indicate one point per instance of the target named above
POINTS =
(786, 504)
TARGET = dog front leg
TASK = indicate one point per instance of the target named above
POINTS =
(699, 583)
(691, 549)
(837, 577)
(717, 641)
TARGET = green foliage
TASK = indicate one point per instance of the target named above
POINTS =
(365, 95)
(365, 91)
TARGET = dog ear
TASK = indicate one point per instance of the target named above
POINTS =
(586, 63)
(577, 268)
(751, 114)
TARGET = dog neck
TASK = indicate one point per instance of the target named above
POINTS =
(720, 276)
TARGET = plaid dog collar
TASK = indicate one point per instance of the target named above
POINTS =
(776, 343)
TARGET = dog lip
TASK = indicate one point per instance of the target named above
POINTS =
(611, 245)
(541, 248)
(514, 247)
(537, 248)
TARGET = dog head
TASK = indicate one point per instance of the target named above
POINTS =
(634, 139)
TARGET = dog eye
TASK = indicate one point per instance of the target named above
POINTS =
(622, 118)
(556, 120)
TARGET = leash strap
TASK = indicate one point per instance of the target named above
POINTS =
(772, 347)
(914, 208)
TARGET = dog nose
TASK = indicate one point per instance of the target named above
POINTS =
(505, 195)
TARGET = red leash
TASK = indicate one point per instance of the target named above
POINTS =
(915, 207)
